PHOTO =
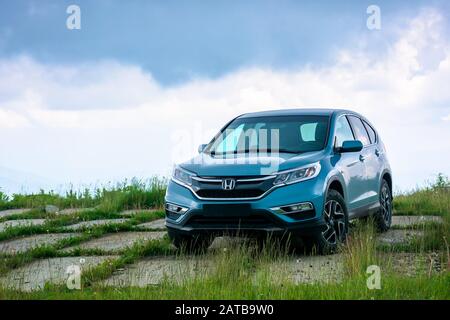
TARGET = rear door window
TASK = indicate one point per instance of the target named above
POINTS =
(359, 130)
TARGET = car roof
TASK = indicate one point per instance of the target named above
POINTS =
(295, 112)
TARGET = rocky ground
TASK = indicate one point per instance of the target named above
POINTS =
(152, 269)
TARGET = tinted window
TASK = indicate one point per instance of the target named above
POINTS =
(343, 131)
(360, 131)
(292, 134)
(372, 134)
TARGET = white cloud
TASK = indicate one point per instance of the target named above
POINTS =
(107, 120)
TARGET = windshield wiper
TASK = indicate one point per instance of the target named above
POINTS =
(213, 153)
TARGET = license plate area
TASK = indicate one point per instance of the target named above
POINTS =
(227, 210)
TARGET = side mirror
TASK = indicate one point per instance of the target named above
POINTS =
(350, 146)
(201, 148)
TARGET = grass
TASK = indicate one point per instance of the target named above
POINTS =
(8, 263)
(243, 270)
(134, 194)
(232, 275)
(434, 199)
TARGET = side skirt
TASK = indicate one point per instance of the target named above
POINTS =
(364, 211)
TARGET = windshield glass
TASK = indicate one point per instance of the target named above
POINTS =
(288, 134)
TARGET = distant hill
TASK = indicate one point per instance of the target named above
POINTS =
(14, 181)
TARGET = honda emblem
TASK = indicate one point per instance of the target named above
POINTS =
(228, 184)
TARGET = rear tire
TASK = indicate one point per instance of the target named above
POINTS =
(190, 243)
(336, 225)
(383, 217)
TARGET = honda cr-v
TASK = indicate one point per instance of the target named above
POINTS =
(302, 172)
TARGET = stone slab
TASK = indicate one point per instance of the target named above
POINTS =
(70, 211)
(117, 242)
(35, 275)
(306, 269)
(152, 271)
(19, 245)
(405, 221)
(10, 212)
(393, 236)
(133, 212)
(94, 223)
(153, 225)
(21, 223)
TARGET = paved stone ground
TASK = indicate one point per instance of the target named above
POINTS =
(94, 223)
(393, 236)
(10, 212)
(308, 269)
(137, 211)
(36, 274)
(413, 264)
(151, 271)
(153, 225)
(21, 223)
(70, 211)
(117, 241)
(18, 245)
(406, 221)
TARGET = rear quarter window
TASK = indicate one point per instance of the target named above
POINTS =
(371, 132)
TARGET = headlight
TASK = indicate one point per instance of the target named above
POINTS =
(299, 174)
(182, 176)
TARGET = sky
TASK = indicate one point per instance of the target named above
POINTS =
(143, 83)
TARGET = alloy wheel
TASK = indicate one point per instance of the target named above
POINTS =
(335, 222)
(386, 204)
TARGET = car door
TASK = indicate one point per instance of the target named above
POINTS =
(349, 165)
(373, 162)
(365, 197)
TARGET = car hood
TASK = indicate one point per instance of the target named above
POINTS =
(248, 165)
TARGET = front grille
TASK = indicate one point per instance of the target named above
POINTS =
(245, 187)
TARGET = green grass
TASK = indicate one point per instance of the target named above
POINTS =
(8, 262)
(134, 194)
(431, 200)
(393, 287)
(244, 270)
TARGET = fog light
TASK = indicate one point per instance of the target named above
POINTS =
(293, 208)
(175, 208)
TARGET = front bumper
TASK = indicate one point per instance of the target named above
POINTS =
(250, 216)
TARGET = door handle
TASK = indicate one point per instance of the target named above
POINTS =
(362, 157)
(377, 153)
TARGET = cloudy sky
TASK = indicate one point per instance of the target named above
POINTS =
(144, 82)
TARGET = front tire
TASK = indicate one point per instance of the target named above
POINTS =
(336, 225)
(383, 217)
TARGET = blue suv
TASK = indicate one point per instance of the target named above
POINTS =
(297, 173)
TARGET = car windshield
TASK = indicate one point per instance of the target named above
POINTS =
(284, 134)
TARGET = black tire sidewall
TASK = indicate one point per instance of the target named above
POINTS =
(381, 224)
(318, 240)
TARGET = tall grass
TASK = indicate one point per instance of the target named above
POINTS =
(133, 194)
(360, 249)
(434, 199)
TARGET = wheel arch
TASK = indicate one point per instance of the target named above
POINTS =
(387, 175)
(336, 183)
